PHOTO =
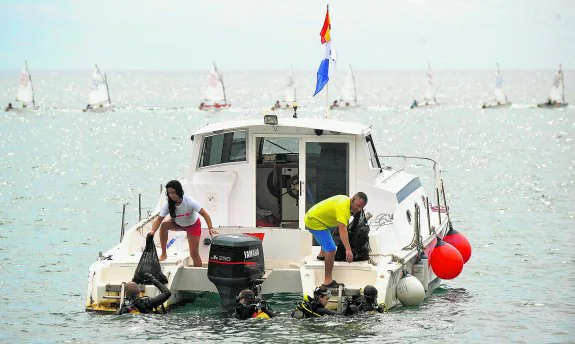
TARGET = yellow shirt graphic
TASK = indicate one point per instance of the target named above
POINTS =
(328, 213)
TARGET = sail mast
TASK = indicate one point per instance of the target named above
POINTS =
(31, 85)
(354, 86)
(562, 85)
(221, 78)
(107, 88)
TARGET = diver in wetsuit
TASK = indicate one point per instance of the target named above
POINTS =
(366, 302)
(249, 306)
(145, 304)
(315, 307)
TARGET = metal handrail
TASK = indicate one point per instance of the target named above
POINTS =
(436, 166)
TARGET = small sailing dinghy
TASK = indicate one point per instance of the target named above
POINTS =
(25, 94)
(99, 95)
(215, 96)
(429, 98)
(348, 99)
(557, 95)
(500, 96)
(289, 101)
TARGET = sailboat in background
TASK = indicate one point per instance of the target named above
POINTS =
(289, 99)
(557, 94)
(99, 94)
(25, 94)
(348, 97)
(500, 96)
(429, 98)
(215, 96)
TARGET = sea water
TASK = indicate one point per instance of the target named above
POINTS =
(509, 179)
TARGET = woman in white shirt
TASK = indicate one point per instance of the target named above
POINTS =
(183, 214)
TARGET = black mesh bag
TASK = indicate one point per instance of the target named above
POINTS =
(358, 234)
(149, 263)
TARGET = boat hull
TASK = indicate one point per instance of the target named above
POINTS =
(214, 107)
(99, 109)
(429, 105)
(552, 106)
(343, 107)
(496, 106)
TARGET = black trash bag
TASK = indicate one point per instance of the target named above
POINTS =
(358, 234)
(149, 263)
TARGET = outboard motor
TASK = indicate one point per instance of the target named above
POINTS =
(236, 262)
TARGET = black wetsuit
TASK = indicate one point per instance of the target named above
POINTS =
(146, 304)
(363, 304)
(311, 308)
(243, 312)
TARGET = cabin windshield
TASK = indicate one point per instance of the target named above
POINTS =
(223, 148)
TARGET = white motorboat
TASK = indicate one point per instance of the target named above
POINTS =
(259, 177)
(501, 100)
(25, 93)
(99, 94)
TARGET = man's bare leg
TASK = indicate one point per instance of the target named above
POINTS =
(329, 259)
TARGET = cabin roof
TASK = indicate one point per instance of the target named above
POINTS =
(343, 127)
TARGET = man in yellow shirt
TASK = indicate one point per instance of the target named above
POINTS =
(325, 216)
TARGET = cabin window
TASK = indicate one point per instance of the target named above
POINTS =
(372, 152)
(223, 148)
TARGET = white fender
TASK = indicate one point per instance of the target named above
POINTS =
(410, 291)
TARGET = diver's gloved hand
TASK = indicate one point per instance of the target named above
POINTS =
(149, 277)
(348, 308)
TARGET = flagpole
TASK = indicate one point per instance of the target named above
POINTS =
(327, 99)
(327, 86)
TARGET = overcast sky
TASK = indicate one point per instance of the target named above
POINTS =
(272, 34)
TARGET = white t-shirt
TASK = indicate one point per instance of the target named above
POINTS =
(186, 213)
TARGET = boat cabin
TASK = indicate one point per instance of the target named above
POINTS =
(268, 174)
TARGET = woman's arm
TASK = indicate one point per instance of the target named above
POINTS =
(208, 220)
(156, 224)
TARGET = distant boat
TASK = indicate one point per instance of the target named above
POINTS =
(289, 99)
(215, 97)
(557, 94)
(99, 95)
(348, 97)
(25, 94)
(429, 98)
(500, 96)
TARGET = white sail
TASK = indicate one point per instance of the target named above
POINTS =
(99, 93)
(215, 92)
(349, 91)
(557, 90)
(500, 96)
(25, 88)
(290, 95)
(429, 92)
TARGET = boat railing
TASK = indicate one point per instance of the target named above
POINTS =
(438, 188)
(437, 173)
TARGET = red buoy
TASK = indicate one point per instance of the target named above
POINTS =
(460, 242)
(445, 260)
